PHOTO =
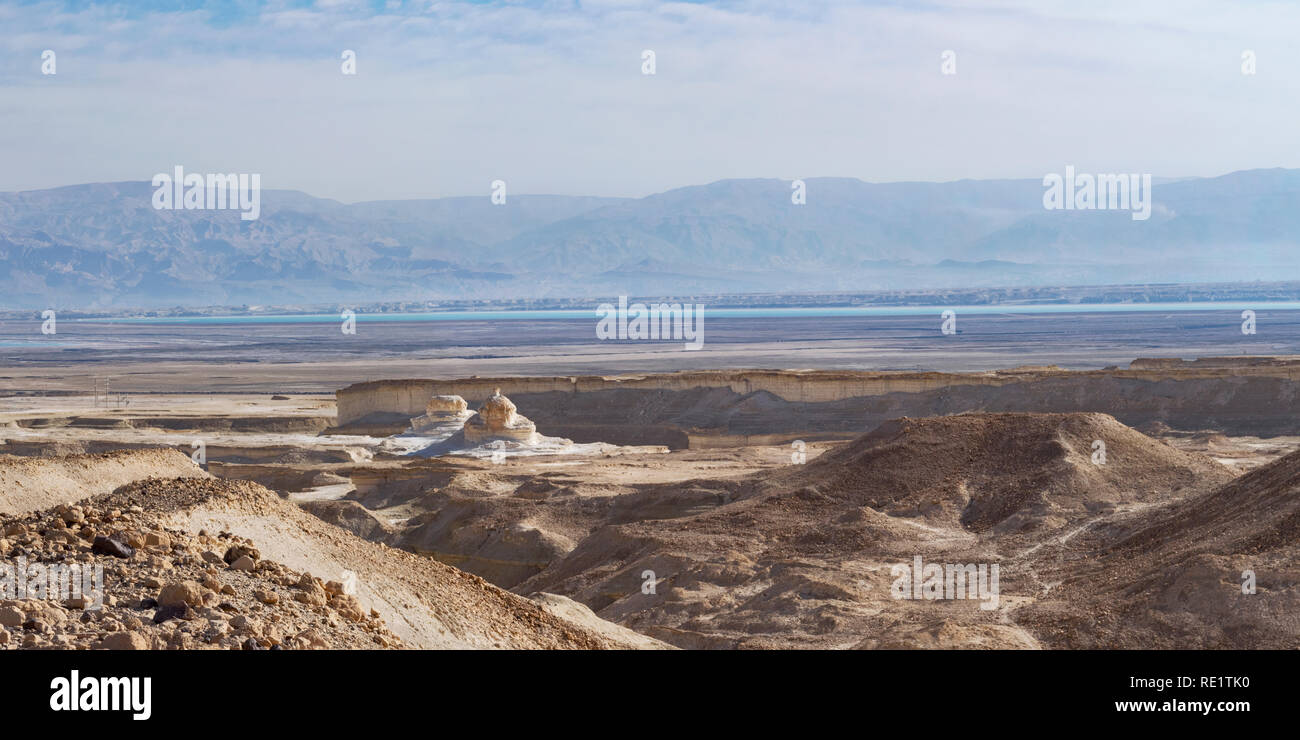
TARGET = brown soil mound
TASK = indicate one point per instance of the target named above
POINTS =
(31, 484)
(1005, 472)
(1173, 576)
(803, 557)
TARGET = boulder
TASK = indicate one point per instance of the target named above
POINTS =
(244, 563)
(123, 641)
(235, 552)
(181, 593)
(310, 591)
(114, 545)
(11, 616)
(349, 607)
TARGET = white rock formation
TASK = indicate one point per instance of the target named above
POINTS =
(496, 431)
(496, 419)
(445, 405)
(442, 415)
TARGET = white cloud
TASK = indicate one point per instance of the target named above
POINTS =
(549, 96)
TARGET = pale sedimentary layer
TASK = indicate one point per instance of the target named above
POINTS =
(1247, 395)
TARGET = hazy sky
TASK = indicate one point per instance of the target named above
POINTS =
(550, 96)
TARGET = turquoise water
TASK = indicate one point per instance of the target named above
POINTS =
(729, 313)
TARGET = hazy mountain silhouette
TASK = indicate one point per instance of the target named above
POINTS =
(105, 245)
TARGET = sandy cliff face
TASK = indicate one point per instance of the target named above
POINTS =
(1235, 395)
(359, 401)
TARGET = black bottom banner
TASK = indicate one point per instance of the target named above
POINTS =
(994, 689)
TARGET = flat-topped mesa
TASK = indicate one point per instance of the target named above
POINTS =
(496, 419)
(445, 405)
(442, 413)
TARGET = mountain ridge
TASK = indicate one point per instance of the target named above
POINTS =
(102, 245)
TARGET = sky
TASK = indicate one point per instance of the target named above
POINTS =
(550, 97)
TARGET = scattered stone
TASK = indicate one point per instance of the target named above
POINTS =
(114, 545)
(177, 611)
(311, 639)
(11, 616)
(235, 552)
(172, 595)
(310, 591)
(123, 641)
(348, 606)
(179, 593)
(80, 602)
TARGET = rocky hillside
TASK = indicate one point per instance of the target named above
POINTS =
(169, 589)
(185, 558)
(30, 484)
(1004, 473)
(1216, 570)
(802, 555)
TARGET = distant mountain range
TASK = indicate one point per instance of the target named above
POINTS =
(104, 245)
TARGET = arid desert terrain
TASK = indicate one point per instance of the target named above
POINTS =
(1122, 507)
